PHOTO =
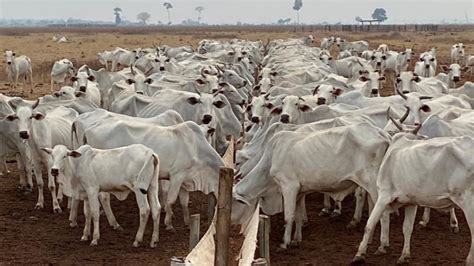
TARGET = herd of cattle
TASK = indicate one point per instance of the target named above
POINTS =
(156, 123)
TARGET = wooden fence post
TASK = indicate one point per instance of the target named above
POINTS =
(194, 226)
(264, 237)
(224, 208)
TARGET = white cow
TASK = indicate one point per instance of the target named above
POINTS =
(357, 46)
(42, 130)
(124, 57)
(399, 62)
(457, 53)
(383, 48)
(119, 171)
(18, 68)
(85, 84)
(422, 167)
(62, 69)
(410, 82)
(454, 72)
(105, 57)
(326, 43)
(426, 67)
(470, 63)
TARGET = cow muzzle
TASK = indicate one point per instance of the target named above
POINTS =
(82, 88)
(456, 79)
(24, 134)
(9, 63)
(427, 66)
(162, 68)
(379, 63)
(285, 118)
(408, 60)
(207, 119)
(405, 91)
(321, 101)
(374, 91)
(54, 172)
(255, 119)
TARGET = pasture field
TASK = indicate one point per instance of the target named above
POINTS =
(29, 236)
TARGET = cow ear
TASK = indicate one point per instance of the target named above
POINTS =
(91, 78)
(200, 81)
(148, 81)
(73, 79)
(425, 108)
(445, 68)
(337, 91)
(373, 57)
(362, 78)
(249, 108)
(382, 78)
(211, 131)
(74, 154)
(464, 69)
(276, 111)
(39, 116)
(269, 105)
(219, 104)
(47, 150)
(305, 108)
(417, 79)
(192, 100)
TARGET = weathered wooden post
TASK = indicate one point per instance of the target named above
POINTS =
(194, 226)
(224, 208)
(264, 238)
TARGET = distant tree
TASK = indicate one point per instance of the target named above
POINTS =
(283, 21)
(117, 11)
(297, 6)
(380, 15)
(144, 17)
(168, 6)
(199, 9)
(358, 19)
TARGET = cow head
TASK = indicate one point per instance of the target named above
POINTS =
(399, 125)
(458, 49)
(23, 116)
(163, 62)
(81, 79)
(231, 77)
(260, 108)
(205, 104)
(291, 109)
(405, 81)
(9, 57)
(406, 55)
(428, 60)
(454, 71)
(415, 106)
(59, 154)
(373, 81)
(139, 80)
(378, 60)
(326, 94)
(231, 93)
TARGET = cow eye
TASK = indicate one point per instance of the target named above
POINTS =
(399, 80)
(156, 60)
(432, 59)
(200, 81)
(421, 59)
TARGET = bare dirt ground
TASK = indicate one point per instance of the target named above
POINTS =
(29, 236)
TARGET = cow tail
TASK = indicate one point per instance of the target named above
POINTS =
(143, 181)
(74, 134)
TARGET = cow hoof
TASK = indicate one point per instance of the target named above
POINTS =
(60, 200)
(421, 225)
(117, 228)
(170, 229)
(352, 225)
(403, 260)
(359, 259)
(57, 210)
(84, 238)
(335, 214)
(39, 206)
(284, 246)
(455, 229)
(93, 243)
(323, 212)
(72, 224)
(380, 251)
(135, 244)
(153, 245)
(295, 243)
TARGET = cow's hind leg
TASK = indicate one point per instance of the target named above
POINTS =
(155, 212)
(144, 208)
(360, 195)
(173, 192)
(290, 193)
(327, 206)
(453, 221)
(467, 205)
(40, 183)
(87, 224)
(184, 202)
(425, 219)
(93, 196)
(408, 222)
(104, 199)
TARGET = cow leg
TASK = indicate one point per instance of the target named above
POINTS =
(425, 219)
(379, 208)
(25, 167)
(408, 222)
(87, 224)
(290, 194)
(171, 199)
(104, 199)
(3, 161)
(299, 220)
(384, 233)
(52, 189)
(21, 171)
(453, 221)
(52, 86)
(327, 206)
(467, 205)
(73, 212)
(360, 195)
(337, 209)
(93, 196)
(40, 183)
(60, 195)
(155, 212)
(144, 208)
(184, 201)
(164, 186)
